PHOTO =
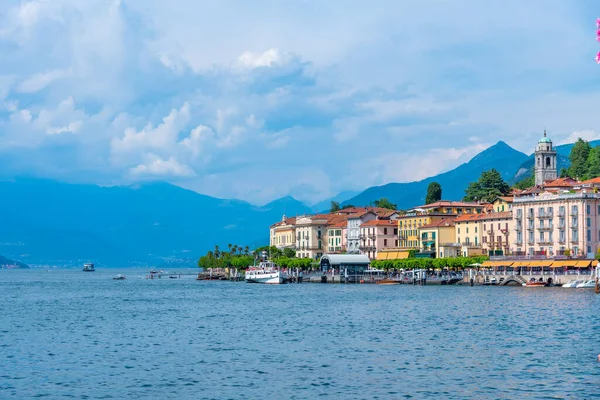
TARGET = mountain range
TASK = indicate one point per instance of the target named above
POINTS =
(48, 222)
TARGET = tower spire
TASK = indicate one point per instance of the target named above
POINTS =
(544, 133)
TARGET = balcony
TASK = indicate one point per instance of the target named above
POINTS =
(561, 240)
(574, 240)
(530, 228)
(518, 242)
(531, 242)
(545, 215)
(519, 217)
(561, 213)
(518, 228)
(545, 228)
(574, 212)
(545, 242)
(490, 231)
(530, 216)
(372, 236)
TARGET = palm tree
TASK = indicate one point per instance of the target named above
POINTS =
(235, 247)
(229, 245)
(246, 250)
(210, 254)
(217, 252)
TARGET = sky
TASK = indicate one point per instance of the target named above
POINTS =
(263, 99)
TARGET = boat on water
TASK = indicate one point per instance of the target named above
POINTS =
(589, 284)
(572, 283)
(266, 272)
(119, 277)
(88, 267)
(534, 283)
(388, 281)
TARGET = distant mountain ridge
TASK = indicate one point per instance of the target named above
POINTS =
(5, 262)
(500, 156)
(66, 224)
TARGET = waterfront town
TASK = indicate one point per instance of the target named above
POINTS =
(553, 224)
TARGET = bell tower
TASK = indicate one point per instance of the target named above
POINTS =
(545, 161)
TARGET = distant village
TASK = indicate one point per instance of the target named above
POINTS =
(554, 218)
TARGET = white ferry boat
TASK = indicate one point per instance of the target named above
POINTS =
(265, 272)
(88, 267)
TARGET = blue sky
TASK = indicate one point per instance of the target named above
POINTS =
(258, 100)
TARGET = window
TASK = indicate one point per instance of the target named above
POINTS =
(458, 230)
(588, 222)
(385, 231)
(385, 242)
(467, 229)
(588, 209)
(589, 236)
(395, 231)
(475, 229)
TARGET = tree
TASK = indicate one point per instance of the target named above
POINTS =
(564, 173)
(434, 193)
(525, 183)
(579, 157)
(489, 186)
(335, 206)
(289, 253)
(593, 163)
(246, 250)
(385, 203)
(347, 206)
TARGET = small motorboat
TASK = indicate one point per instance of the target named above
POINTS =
(119, 277)
(534, 283)
(388, 281)
(572, 284)
(589, 284)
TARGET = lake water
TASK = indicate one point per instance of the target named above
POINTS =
(70, 334)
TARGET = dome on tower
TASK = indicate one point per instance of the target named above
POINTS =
(545, 139)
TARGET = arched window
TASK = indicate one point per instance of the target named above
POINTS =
(548, 162)
(539, 162)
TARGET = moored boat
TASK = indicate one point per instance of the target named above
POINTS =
(589, 284)
(535, 284)
(88, 267)
(388, 281)
(119, 277)
(266, 272)
(572, 283)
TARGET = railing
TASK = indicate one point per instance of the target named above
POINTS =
(545, 242)
(545, 228)
(574, 211)
(561, 213)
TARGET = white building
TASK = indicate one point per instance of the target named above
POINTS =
(353, 242)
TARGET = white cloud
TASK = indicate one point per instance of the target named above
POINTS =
(39, 81)
(155, 166)
(73, 127)
(255, 60)
(587, 135)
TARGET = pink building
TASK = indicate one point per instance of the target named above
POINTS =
(378, 234)
(551, 224)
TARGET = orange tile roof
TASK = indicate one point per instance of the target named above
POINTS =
(592, 181)
(483, 217)
(439, 224)
(446, 203)
(379, 222)
(561, 182)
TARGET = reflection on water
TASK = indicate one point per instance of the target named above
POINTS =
(82, 335)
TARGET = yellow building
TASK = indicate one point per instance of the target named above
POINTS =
(409, 225)
(503, 204)
(283, 233)
(451, 207)
(438, 235)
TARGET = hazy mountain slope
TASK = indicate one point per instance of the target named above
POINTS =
(406, 195)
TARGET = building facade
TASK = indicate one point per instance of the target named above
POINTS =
(336, 241)
(283, 233)
(496, 231)
(437, 236)
(310, 236)
(353, 230)
(410, 223)
(552, 224)
(545, 161)
(377, 235)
